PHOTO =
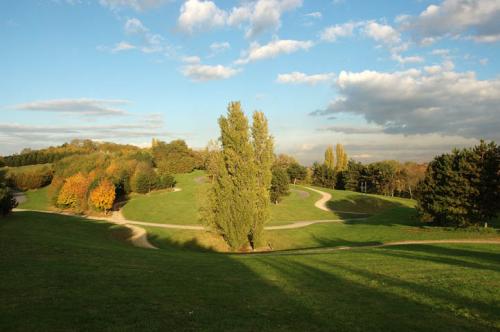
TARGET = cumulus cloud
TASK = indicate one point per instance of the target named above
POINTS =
(301, 78)
(353, 129)
(273, 49)
(255, 16)
(83, 106)
(478, 20)
(382, 33)
(150, 42)
(219, 47)
(138, 5)
(122, 46)
(201, 73)
(332, 33)
(197, 14)
(438, 100)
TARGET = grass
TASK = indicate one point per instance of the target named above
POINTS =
(63, 273)
(170, 207)
(26, 168)
(36, 199)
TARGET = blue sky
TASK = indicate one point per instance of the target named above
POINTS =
(388, 79)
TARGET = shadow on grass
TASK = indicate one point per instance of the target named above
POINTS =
(63, 273)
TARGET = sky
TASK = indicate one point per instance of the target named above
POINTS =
(388, 79)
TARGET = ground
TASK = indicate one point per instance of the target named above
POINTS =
(66, 273)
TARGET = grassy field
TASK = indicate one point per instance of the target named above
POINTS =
(63, 273)
(170, 207)
(36, 199)
(182, 207)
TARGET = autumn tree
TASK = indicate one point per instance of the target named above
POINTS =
(342, 159)
(296, 172)
(103, 196)
(73, 193)
(329, 158)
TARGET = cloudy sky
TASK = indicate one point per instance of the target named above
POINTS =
(388, 79)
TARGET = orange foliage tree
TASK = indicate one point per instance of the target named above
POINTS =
(73, 193)
(103, 196)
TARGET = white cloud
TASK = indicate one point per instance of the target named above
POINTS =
(332, 33)
(256, 16)
(219, 47)
(83, 106)
(477, 19)
(301, 78)
(134, 26)
(201, 73)
(383, 33)
(273, 49)
(198, 14)
(149, 42)
(407, 59)
(412, 102)
(122, 46)
(191, 59)
(138, 5)
(316, 15)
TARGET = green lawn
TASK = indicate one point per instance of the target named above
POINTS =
(36, 199)
(182, 207)
(170, 207)
(63, 273)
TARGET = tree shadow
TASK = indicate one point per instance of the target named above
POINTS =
(63, 273)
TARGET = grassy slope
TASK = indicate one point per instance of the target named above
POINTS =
(36, 199)
(63, 273)
(169, 207)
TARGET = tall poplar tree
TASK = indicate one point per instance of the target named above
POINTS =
(329, 158)
(341, 157)
(264, 158)
(232, 199)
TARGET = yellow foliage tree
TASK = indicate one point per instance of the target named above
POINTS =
(74, 192)
(103, 196)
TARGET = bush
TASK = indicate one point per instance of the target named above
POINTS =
(73, 193)
(144, 179)
(103, 196)
(31, 178)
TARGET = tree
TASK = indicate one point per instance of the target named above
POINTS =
(280, 185)
(103, 196)
(329, 158)
(342, 159)
(323, 176)
(263, 153)
(7, 201)
(284, 161)
(461, 188)
(296, 172)
(231, 204)
(174, 157)
(73, 193)
(144, 179)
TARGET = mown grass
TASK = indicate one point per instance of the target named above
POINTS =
(36, 199)
(170, 207)
(63, 273)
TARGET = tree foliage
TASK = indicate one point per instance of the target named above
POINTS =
(73, 193)
(7, 201)
(342, 159)
(103, 196)
(461, 188)
(236, 205)
(296, 172)
(329, 158)
(30, 177)
(280, 185)
(174, 157)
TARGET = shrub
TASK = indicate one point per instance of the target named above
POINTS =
(74, 191)
(103, 196)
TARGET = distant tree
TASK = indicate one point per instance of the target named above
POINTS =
(284, 161)
(230, 208)
(103, 196)
(323, 176)
(329, 158)
(296, 172)
(174, 157)
(144, 179)
(264, 157)
(280, 185)
(73, 193)
(342, 159)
